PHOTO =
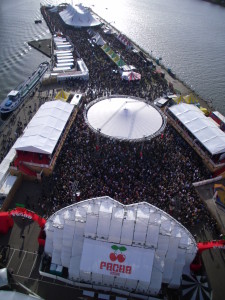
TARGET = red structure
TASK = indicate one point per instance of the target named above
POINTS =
(6, 221)
(197, 263)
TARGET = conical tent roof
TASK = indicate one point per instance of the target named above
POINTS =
(78, 16)
(62, 95)
(100, 41)
(124, 118)
(178, 99)
(190, 99)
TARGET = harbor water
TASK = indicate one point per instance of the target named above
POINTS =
(188, 35)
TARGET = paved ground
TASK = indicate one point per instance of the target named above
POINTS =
(23, 261)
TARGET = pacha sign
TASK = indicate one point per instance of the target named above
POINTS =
(20, 214)
(116, 260)
(116, 268)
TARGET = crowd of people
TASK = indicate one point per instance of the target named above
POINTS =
(159, 171)
(104, 76)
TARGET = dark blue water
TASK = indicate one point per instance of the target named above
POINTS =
(189, 35)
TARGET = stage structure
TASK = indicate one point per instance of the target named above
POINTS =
(125, 118)
(103, 244)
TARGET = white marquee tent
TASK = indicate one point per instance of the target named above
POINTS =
(205, 131)
(97, 38)
(78, 16)
(125, 118)
(44, 130)
(134, 247)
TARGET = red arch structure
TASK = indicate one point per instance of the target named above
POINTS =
(23, 212)
(6, 221)
(197, 263)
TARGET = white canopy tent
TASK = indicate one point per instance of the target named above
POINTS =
(148, 246)
(131, 75)
(78, 16)
(125, 118)
(97, 39)
(205, 131)
(44, 130)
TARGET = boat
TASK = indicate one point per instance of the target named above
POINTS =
(16, 96)
(37, 21)
(171, 73)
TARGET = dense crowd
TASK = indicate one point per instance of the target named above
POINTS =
(103, 72)
(160, 171)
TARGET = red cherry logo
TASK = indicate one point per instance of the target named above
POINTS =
(121, 258)
(113, 256)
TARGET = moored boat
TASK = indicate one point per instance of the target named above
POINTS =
(16, 96)
(37, 21)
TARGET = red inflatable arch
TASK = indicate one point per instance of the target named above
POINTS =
(6, 221)
(23, 212)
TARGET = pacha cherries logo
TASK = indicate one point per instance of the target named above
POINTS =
(118, 253)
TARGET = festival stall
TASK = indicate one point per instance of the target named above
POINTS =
(62, 95)
(205, 131)
(131, 76)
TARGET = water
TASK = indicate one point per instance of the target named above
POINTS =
(188, 35)
(17, 59)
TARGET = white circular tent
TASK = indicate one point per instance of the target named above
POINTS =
(78, 16)
(130, 248)
(124, 118)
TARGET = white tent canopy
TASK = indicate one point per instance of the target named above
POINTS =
(205, 131)
(147, 246)
(78, 16)
(124, 117)
(97, 38)
(44, 130)
(131, 75)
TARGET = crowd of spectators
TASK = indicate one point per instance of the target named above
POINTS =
(104, 76)
(160, 171)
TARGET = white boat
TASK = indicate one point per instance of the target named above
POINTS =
(16, 97)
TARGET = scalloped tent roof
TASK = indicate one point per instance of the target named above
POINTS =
(78, 16)
(44, 130)
(205, 131)
(88, 235)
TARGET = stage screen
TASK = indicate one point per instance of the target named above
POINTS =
(117, 260)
